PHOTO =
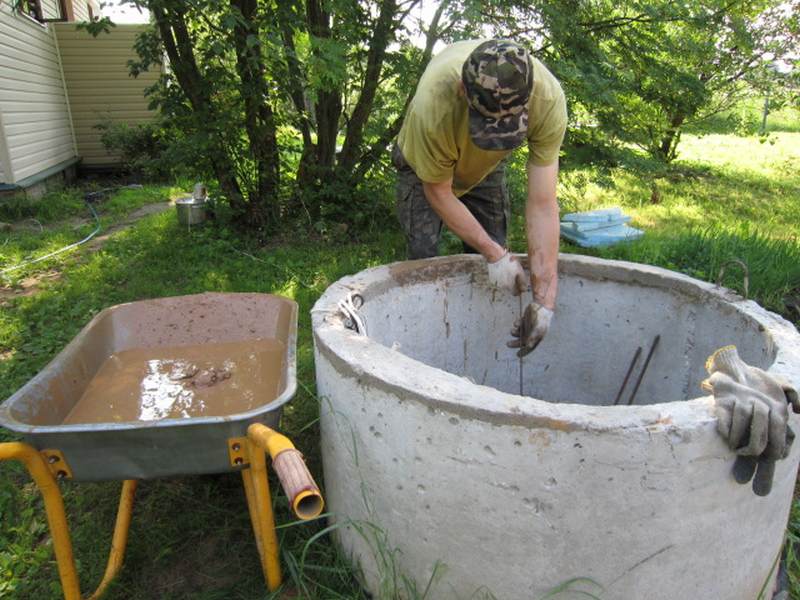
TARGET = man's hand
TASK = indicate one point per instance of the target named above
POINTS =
(752, 409)
(530, 330)
(507, 274)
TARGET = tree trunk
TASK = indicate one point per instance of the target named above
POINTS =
(667, 149)
(295, 85)
(375, 56)
(259, 118)
(174, 34)
(373, 153)
(329, 102)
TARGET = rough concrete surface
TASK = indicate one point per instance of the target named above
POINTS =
(426, 437)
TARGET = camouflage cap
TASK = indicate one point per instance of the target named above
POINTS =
(498, 79)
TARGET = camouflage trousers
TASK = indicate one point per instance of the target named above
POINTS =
(487, 201)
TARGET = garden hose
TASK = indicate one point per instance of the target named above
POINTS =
(88, 198)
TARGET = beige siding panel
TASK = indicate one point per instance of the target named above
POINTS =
(46, 124)
(46, 88)
(99, 87)
(24, 60)
(19, 112)
(25, 77)
(51, 9)
(16, 39)
(2, 151)
(113, 87)
(79, 10)
(30, 166)
(33, 102)
(32, 137)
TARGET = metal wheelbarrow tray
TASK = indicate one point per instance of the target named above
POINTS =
(157, 448)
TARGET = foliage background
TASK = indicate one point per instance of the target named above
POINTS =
(289, 107)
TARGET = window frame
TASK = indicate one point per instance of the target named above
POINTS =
(32, 9)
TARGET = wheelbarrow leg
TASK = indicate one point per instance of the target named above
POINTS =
(57, 520)
(259, 502)
(120, 540)
(249, 493)
(54, 507)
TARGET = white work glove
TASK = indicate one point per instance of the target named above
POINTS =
(507, 274)
(752, 409)
(530, 330)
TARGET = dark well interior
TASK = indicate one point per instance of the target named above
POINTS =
(452, 321)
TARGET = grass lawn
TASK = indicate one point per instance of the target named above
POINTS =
(726, 197)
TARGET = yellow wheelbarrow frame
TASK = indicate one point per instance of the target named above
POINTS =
(47, 466)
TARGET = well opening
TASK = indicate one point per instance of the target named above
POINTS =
(451, 320)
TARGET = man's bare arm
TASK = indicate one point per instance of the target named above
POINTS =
(542, 231)
(460, 221)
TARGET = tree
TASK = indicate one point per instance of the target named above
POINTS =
(285, 103)
(643, 70)
(290, 105)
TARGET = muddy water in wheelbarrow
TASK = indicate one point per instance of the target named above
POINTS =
(228, 359)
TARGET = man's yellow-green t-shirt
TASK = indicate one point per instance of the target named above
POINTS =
(435, 141)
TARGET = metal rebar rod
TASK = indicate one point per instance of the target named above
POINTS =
(521, 388)
(644, 369)
(628, 375)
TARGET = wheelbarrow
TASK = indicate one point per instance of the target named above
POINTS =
(220, 418)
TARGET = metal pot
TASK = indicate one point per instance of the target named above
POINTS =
(191, 211)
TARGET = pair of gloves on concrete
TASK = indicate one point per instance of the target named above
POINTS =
(752, 409)
(529, 330)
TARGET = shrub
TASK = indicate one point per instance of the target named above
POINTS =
(143, 148)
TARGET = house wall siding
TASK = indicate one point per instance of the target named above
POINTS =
(99, 87)
(3, 151)
(51, 9)
(80, 10)
(35, 115)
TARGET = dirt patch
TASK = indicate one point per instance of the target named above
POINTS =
(139, 213)
(200, 567)
(30, 285)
